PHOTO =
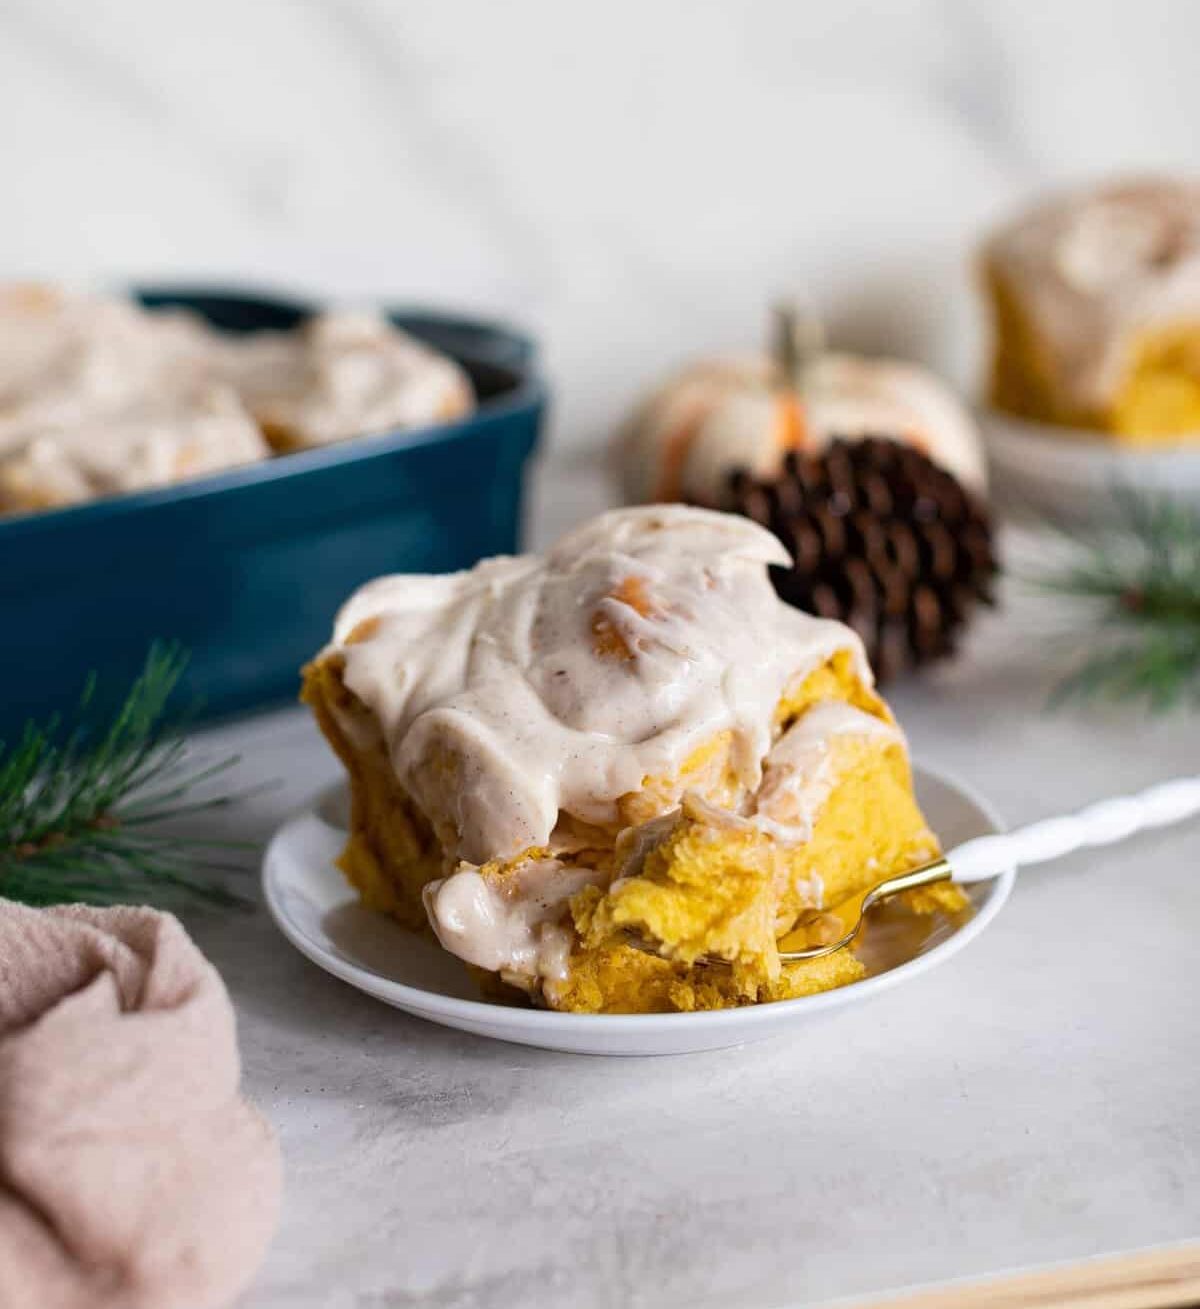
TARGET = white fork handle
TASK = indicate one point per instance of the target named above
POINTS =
(1098, 824)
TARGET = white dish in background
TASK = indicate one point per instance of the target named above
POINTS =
(1068, 474)
(319, 913)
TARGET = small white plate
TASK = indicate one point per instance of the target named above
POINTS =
(317, 911)
(1070, 475)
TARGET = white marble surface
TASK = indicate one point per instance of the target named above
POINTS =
(1032, 1101)
(632, 180)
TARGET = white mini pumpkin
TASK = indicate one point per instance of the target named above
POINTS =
(685, 439)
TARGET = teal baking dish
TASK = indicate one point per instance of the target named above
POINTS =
(246, 568)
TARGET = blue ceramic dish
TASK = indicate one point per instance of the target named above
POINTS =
(247, 568)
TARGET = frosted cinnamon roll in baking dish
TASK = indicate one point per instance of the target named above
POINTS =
(99, 395)
(630, 736)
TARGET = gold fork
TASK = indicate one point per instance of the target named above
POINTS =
(986, 857)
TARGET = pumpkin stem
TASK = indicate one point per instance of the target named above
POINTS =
(798, 338)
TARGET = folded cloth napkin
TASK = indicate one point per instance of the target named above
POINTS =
(132, 1173)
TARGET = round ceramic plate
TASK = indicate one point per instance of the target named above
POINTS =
(1067, 474)
(318, 912)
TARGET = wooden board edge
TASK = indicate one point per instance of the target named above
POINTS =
(1160, 1278)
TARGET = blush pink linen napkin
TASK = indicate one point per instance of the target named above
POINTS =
(132, 1173)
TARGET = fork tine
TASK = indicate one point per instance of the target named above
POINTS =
(927, 875)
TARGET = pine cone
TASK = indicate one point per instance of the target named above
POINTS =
(883, 539)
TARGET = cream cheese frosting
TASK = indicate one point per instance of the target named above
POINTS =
(529, 688)
(67, 359)
(147, 443)
(515, 926)
(512, 928)
(801, 769)
(1094, 268)
(344, 374)
(98, 395)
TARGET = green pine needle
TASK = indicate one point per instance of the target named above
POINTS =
(81, 811)
(1141, 581)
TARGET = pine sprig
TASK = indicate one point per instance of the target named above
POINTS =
(81, 811)
(1141, 581)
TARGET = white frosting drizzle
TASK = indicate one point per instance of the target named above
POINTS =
(499, 710)
(1093, 268)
